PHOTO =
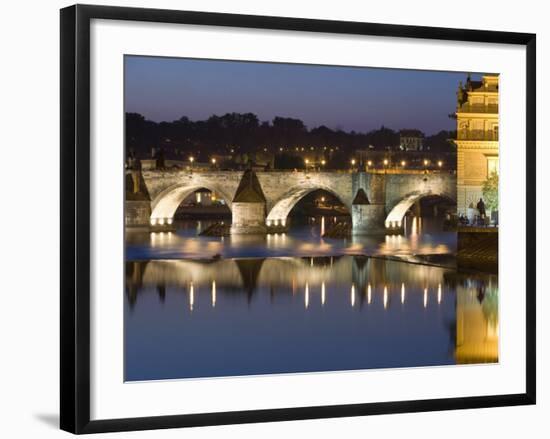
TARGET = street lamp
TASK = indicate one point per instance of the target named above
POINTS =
(440, 163)
(369, 164)
(403, 163)
(307, 163)
(213, 161)
(386, 162)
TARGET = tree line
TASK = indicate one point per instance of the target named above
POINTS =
(244, 133)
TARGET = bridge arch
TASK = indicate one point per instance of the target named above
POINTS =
(165, 204)
(278, 214)
(397, 213)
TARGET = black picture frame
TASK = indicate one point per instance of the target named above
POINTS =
(75, 217)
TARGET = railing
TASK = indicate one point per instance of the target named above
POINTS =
(478, 135)
(478, 108)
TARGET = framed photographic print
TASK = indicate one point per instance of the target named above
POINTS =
(267, 218)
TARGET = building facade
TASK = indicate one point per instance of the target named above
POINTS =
(411, 140)
(477, 139)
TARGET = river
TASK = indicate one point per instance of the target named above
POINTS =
(296, 302)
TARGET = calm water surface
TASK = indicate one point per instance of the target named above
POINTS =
(299, 303)
(422, 236)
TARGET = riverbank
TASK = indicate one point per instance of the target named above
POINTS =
(477, 248)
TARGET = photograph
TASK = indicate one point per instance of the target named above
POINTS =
(286, 218)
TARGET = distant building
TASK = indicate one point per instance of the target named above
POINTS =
(411, 140)
(477, 138)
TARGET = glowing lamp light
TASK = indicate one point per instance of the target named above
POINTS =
(426, 162)
(191, 159)
(323, 162)
(403, 163)
(369, 163)
(213, 161)
(353, 162)
(170, 220)
(161, 221)
(153, 221)
(283, 223)
(386, 162)
(268, 222)
(440, 163)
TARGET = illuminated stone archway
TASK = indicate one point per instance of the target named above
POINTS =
(278, 214)
(394, 219)
(165, 204)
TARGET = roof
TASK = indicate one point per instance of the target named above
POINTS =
(361, 198)
(411, 133)
(249, 190)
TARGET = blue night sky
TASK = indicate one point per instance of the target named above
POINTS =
(348, 98)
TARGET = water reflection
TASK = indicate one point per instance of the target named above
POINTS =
(421, 236)
(194, 318)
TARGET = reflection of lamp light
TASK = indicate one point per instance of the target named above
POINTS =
(385, 296)
(352, 294)
(439, 293)
(403, 292)
(213, 293)
(323, 293)
(425, 297)
(369, 294)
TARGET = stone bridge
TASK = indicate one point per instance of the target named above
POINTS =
(259, 200)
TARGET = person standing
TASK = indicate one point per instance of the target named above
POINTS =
(481, 209)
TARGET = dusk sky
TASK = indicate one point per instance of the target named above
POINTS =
(348, 98)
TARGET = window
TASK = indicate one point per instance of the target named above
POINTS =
(492, 165)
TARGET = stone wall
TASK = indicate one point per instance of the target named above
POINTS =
(137, 213)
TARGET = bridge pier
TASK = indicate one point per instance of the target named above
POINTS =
(368, 216)
(248, 219)
(248, 207)
(368, 219)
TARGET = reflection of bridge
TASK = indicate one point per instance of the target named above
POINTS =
(258, 200)
(370, 282)
(245, 275)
